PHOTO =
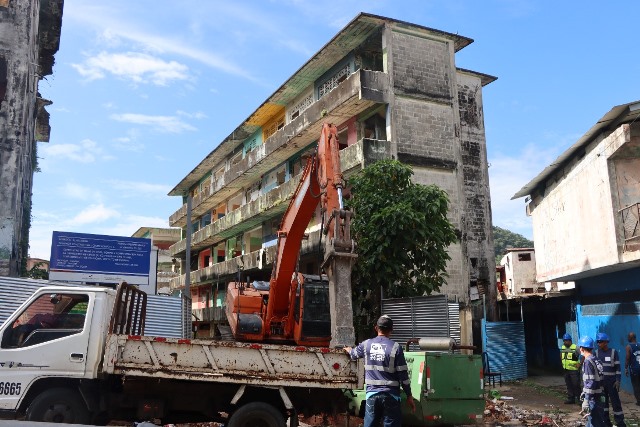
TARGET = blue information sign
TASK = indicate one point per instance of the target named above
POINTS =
(100, 258)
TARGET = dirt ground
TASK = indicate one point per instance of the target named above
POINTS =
(539, 400)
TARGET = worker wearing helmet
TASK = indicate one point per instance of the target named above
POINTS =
(610, 360)
(571, 367)
(592, 379)
(385, 373)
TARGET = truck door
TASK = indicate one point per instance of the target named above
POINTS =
(48, 338)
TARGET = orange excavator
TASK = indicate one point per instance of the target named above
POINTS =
(296, 308)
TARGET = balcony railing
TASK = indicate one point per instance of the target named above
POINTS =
(210, 314)
(631, 223)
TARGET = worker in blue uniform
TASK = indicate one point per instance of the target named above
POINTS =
(385, 374)
(610, 360)
(592, 379)
(570, 357)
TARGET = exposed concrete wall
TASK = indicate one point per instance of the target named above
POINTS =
(576, 224)
(437, 126)
(476, 214)
(18, 47)
(519, 273)
(28, 38)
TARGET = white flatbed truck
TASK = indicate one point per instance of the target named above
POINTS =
(79, 355)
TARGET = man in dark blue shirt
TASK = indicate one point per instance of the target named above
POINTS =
(610, 361)
(592, 379)
(385, 374)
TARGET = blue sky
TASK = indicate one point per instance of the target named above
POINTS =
(143, 90)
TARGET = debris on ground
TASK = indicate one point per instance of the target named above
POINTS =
(499, 411)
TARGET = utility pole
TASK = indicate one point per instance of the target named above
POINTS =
(187, 275)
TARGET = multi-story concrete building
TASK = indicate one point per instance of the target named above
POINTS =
(585, 209)
(161, 240)
(29, 38)
(393, 90)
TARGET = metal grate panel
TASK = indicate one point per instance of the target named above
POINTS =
(419, 317)
(504, 343)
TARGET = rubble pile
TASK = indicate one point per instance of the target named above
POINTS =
(500, 412)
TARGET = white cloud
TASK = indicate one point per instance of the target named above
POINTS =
(128, 144)
(170, 124)
(197, 115)
(507, 175)
(80, 192)
(138, 189)
(131, 223)
(94, 214)
(116, 28)
(85, 152)
(137, 67)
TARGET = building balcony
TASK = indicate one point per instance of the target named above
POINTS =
(257, 260)
(630, 217)
(209, 314)
(359, 92)
(275, 201)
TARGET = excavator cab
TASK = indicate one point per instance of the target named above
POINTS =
(312, 318)
(311, 315)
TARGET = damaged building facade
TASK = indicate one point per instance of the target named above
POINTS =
(585, 210)
(29, 38)
(393, 90)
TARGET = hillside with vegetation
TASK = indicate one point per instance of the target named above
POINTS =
(503, 239)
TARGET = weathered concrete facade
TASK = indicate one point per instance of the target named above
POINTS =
(394, 91)
(585, 207)
(29, 37)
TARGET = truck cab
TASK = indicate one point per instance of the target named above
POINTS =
(49, 346)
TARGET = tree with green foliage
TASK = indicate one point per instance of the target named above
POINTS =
(402, 234)
(503, 239)
(38, 271)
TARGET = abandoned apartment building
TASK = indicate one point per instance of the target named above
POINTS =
(393, 90)
(29, 38)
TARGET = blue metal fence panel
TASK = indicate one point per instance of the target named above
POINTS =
(504, 343)
(614, 319)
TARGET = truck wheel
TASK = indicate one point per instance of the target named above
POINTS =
(58, 405)
(256, 414)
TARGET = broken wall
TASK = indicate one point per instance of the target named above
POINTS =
(26, 55)
(576, 221)
(437, 127)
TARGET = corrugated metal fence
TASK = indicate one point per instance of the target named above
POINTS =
(418, 317)
(504, 343)
(164, 314)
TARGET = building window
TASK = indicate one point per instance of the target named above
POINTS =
(524, 257)
(334, 81)
(235, 159)
(273, 126)
(299, 108)
(251, 145)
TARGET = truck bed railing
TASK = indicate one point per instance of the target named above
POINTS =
(129, 312)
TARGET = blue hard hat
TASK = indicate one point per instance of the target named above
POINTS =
(586, 342)
(601, 336)
(566, 337)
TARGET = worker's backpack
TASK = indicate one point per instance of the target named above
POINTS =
(634, 365)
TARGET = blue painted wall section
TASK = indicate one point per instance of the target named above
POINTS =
(610, 303)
